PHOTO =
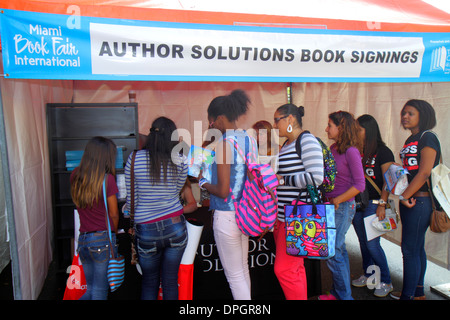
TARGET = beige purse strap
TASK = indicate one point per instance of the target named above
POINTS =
(433, 205)
(377, 189)
(373, 184)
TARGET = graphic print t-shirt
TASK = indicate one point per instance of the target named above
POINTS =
(410, 153)
(372, 169)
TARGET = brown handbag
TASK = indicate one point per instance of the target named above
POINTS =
(439, 221)
(134, 255)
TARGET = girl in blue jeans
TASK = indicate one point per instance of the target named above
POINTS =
(372, 254)
(93, 248)
(86, 181)
(349, 182)
(160, 228)
(161, 246)
(420, 154)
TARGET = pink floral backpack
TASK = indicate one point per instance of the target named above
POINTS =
(256, 211)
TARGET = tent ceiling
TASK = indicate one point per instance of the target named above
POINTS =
(394, 15)
(388, 15)
(368, 10)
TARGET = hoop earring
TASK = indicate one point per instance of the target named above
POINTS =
(289, 128)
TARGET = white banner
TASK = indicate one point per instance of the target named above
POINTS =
(137, 50)
(49, 46)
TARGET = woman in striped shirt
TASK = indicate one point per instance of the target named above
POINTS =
(160, 227)
(294, 174)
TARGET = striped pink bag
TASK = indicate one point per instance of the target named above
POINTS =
(256, 211)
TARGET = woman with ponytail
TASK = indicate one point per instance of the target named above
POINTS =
(160, 227)
(294, 174)
(229, 171)
(97, 164)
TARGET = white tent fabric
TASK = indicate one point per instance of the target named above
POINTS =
(4, 239)
(326, 9)
(26, 133)
(358, 10)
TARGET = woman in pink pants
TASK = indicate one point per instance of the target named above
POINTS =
(294, 174)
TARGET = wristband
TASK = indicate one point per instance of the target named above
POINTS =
(401, 198)
(201, 182)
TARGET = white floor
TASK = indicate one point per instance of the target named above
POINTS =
(435, 274)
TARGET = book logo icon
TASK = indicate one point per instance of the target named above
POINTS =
(440, 60)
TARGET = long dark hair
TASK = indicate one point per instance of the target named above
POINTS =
(372, 141)
(427, 116)
(297, 112)
(160, 145)
(99, 158)
(232, 106)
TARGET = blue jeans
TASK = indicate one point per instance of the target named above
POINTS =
(339, 265)
(415, 222)
(94, 251)
(160, 246)
(371, 251)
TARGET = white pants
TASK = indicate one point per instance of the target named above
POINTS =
(232, 246)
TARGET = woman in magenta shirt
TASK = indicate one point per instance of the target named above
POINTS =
(349, 182)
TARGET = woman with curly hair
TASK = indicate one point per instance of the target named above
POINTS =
(346, 149)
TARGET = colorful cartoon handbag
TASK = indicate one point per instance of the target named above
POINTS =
(310, 229)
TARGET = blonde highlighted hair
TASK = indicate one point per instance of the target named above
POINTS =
(99, 159)
(264, 125)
